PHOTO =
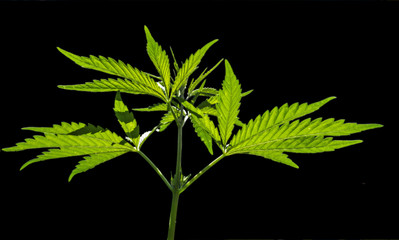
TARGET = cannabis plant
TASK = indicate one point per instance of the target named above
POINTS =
(213, 114)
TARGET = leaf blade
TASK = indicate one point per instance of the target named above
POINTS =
(118, 68)
(287, 136)
(126, 120)
(189, 67)
(228, 104)
(159, 58)
(92, 161)
(121, 85)
(276, 117)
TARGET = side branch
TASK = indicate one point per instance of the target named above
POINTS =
(202, 172)
(156, 169)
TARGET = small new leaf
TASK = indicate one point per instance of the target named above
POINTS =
(189, 67)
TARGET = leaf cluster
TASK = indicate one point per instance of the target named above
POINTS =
(214, 114)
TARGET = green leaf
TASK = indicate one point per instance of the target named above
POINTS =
(135, 81)
(72, 139)
(189, 67)
(145, 136)
(127, 120)
(305, 136)
(275, 156)
(159, 58)
(209, 92)
(276, 117)
(92, 161)
(174, 60)
(104, 139)
(206, 130)
(191, 108)
(64, 152)
(64, 128)
(202, 133)
(167, 119)
(202, 77)
(122, 85)
(228, 104)
(102, 64)
(153, 108)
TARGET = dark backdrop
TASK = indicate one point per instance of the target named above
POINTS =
(287, 52)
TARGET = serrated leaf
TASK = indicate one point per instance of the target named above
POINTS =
(276, 117)
(275, 156)
(153, 108)
(127, 120)
(174, 61)
(135, 81)
(305, 136)
(159, 58)
(228, 104)
(202, 133)
(208, 92)
(191, 108)
(105, 139)
(189, 67)
(92, 161)
(201, 78)
(63, 128)
(167, 119)
(56, 153)
(205, 124)
(72, 139)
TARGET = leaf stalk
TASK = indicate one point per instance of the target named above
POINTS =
(156, 169)
(200, 173)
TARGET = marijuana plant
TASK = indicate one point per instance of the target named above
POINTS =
(270, 135)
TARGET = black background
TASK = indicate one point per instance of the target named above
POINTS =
(287, 52)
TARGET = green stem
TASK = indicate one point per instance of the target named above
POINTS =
(173, 215)
(202, 172)
(156, 169)
(177, 181)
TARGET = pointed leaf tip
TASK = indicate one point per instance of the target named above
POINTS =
(70, 177)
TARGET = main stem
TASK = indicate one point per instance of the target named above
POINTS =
(177, 181)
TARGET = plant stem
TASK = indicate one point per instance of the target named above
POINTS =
(177, 181)
(173, 215)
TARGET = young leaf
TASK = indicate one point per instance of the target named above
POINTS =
(189, 67)
(174, 61)
(127, 120)
(159, 58)
(228, 104)
(203, 75)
